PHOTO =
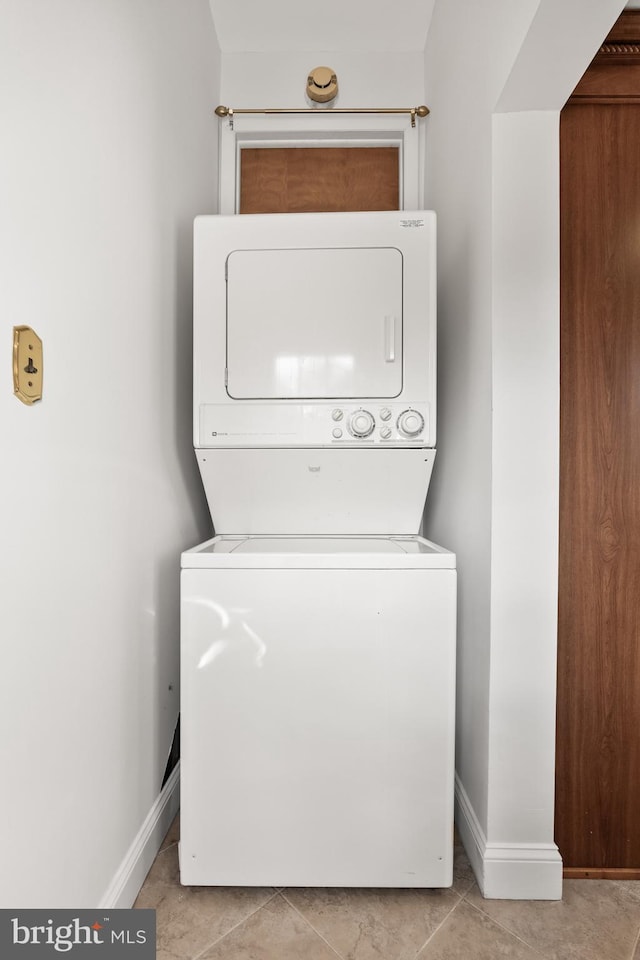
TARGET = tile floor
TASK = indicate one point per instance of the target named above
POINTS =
(596, 920)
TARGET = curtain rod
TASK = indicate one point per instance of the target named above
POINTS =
(422, 111)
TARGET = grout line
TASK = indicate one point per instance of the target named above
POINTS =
(170, 846)
(442, 922)
(635, 946)
(309, 924)
(462, 895)
(506, 929)
(468, 889)
(236, 925)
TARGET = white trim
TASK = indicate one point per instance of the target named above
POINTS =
(131, 873)
(471, 833)
(327, 129)
(507, 871)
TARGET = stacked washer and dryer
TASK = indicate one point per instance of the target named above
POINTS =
(318, 627)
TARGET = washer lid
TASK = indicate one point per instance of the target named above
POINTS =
(318, 552)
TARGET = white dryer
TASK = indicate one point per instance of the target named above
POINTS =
(315, 370)
(318, 681)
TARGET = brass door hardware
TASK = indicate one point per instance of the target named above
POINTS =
(27, 365)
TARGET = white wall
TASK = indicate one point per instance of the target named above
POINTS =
(494, 494)
(109, 150)
(258, 79)
(290, 25)
(469, 53)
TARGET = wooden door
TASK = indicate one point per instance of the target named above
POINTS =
(319, 179)
(598, 734)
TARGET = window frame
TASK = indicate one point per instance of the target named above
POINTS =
(321, 129)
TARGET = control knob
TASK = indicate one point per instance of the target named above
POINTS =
(361, 423)
(410, 423)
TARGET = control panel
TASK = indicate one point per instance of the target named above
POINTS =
(379, 423)
(325, 423)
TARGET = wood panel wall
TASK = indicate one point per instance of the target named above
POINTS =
(598, 733)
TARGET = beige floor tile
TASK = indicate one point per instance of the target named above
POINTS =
(463, 877)
(165, 867)
(374, 924)
(190, 919)
(276, 932)
(595, 920)
(468, 934)
(631, 886)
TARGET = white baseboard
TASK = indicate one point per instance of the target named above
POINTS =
(507, 871)
(471, 833)
(131, 873)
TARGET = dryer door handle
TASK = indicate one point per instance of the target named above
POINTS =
(389, 339)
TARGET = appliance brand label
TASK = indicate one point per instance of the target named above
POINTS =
(253, 433)
(80, 934)
(412, 223)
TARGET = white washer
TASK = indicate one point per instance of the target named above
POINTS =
(317, 712)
